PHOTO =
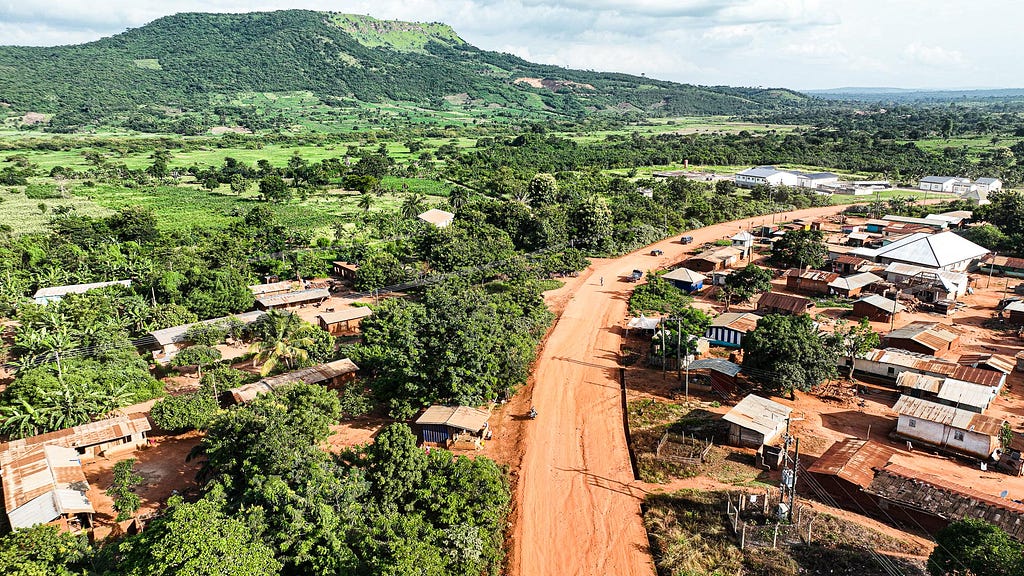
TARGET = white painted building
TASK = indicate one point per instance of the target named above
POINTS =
(765, 176)
(989, 184)
(946, 427)
(942, 251)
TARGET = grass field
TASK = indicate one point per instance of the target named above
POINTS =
(24, 214)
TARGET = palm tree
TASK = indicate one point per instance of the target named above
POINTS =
(413, 204)
(282, 345)
(365, 201)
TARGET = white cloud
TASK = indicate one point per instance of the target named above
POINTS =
(933, 55)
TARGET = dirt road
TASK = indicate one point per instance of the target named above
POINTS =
(577, 507)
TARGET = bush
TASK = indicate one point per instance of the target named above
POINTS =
(355, 401)
(206, 334)
(186, 412)
(41, 192)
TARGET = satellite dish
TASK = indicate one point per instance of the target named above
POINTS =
(1004, 493)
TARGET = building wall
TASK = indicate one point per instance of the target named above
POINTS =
(797, 284)
(910, 345)
(739, 436)
(943, 436)
(865, 310)
(724, 334)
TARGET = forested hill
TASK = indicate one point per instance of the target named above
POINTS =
(191, 61)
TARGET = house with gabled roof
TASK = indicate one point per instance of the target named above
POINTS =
(947, 427)
(437, 217)
(756, 421)
(924, 337)
(942, 251)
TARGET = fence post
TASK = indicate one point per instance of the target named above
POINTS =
(775, 539)
(809, 525)
(736, 522)
(743, 501)
(743, 537)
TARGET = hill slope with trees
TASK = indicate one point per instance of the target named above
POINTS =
(192, 61)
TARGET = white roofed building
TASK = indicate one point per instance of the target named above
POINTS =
(439, 218)
(56, 293)
(942, 251)
(765, 176)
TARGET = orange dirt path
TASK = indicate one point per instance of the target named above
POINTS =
(577, 506)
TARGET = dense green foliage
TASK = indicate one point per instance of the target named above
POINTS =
(133, 76)
(122, 489)
(458, 344)
(800, 249)
(43, 551)
(744, 284)
(976, 548)
(658, 295)
(786, 353)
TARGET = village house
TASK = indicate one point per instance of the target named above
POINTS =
(927, 284)
(453, 425)
(345, 321)
(956, 218)
(816, 180)
(45, 484)
(846, 264)
(56, 293)
(685, 279)
(919, 500)
(756, 421)
(852, 286)
(729, 329)
(947, 391)
(942, 251)
(938, 224)
(977, 198)
(947, 428)
(744, 241)
(438, 218)
(1003, 265)
(809, 281)
(847, 468)
(93, 439)
(991, 362)
(721, 372)
(289, 300)
(924, 337)
(939, 183)
(1014, 311)
(166, 343)
(274, 288)
(886, 365)
(988, 185)
(778, 303)
(345, 270)
(877, 308)
(718, 258)
(330, 375)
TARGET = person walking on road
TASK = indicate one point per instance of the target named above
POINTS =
(602, 280)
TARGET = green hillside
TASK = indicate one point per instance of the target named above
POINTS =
(191, 61)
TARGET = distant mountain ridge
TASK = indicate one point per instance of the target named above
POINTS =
(916, 95)
(189, 61)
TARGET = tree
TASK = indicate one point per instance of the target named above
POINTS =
(543, 189)
(188, 411)
(803, 248)
(273, 189)
(591, 223)
(239, 184)
(786, 353)
(413, 204)
(205, 334)
(282, 342)
(395, 467)
(122, 489)
(43, 551)
(856, 340)
(971, 547)
(378, 270)
(742, 285)
(196, 539)
(197, 355)
(365, 201)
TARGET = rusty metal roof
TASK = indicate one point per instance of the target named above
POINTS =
(275, 287)
(311, 375)
(978, 376)
(461, 417)
(929, 334)
(718, 254)
(86, 434)
(948, 415)
(912, 361)
(739, 321)
(346, 314)
(992, 362)
(787, 302)
(294, 297)
(853, 460)
(812, 275)
(42, 482)
(759, 414)
(945, 499)
(918, 381)
(850, 259)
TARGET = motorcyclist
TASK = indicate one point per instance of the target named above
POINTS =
(533, 412)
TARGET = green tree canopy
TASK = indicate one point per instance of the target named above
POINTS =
(973, 547)
(786, 353)
(800, 248)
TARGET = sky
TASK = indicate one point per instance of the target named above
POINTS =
(799, 44)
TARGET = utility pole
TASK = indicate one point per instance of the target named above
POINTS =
(790, 470)
(679, 342)
(991, 267)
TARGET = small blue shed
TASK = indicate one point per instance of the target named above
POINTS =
(686, 279)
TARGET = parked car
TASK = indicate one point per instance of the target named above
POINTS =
(656, 252)
(636, 275)
(686, 239)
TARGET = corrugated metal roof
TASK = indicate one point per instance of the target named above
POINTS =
(294, 297)
(947, 499)
(176, 334)
(918, 381)
(718, 254)
(855, 281)
(86, 434)
(853, 460)
(758, 414)
(931, 222)
(739, 321)
(77, 288)
(742, 236)
(966, 393)
(929, 334)
(994, 362)
(978, 376)
(311, 375)
(951, 281)
(684, 275)
(912, 361)
(882, 303)
(938, 179)
(41, 483)
(813, 275)
(718, 365)
(345, 315)
(929, 250)
(790, 303)
(273, 287)
(948, 415)
(461, 417)
(760, 172)
(849, 259)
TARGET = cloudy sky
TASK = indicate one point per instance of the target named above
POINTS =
(800, 44)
